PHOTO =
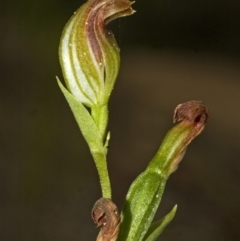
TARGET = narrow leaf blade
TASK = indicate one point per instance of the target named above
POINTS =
(157, 228)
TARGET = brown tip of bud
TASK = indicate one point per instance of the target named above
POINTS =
(192, 111)
(105, 214)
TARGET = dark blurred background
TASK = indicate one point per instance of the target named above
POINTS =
(172, 51)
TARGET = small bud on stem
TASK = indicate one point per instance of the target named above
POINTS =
(105, 214)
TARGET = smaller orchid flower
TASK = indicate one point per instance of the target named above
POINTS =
(146, 191)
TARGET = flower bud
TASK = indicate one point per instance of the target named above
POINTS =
(193, 116)
(88, 51)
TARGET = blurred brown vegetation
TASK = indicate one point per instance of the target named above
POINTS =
(172, 52)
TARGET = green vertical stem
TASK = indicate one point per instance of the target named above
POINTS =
(100, 116)
(101, 164)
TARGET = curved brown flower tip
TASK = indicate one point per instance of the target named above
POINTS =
(105, 214)
(193, 111)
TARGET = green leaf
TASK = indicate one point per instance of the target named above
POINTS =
(141, 204)
(157, 228)
(84, 120)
